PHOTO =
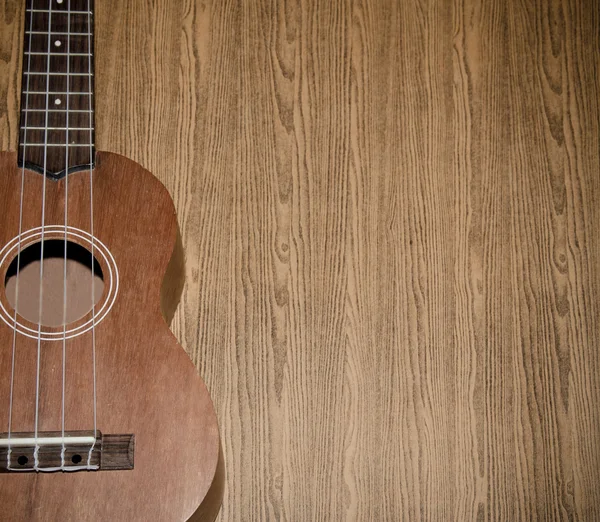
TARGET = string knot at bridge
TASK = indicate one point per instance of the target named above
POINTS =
(73, 451)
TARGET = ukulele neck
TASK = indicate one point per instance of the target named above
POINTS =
(57, 91)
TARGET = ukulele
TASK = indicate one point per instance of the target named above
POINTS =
(103, 415)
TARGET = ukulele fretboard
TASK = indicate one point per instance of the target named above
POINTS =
(57, 90)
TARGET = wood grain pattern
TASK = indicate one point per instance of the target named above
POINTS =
(390, 218)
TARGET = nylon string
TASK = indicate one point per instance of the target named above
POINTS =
(40, 307)
(90, 118)
(64, 342)
(14, 340)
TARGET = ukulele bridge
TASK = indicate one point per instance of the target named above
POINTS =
(75, 451)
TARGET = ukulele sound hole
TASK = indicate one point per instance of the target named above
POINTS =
(80, 297)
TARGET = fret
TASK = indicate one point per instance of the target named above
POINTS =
(57, 97)
(62, 145)
(56, 134)
(59, 11)
(53, 93)
(57, 128)
(35, 95)
(57, 110)
(32, 73)
(57, 54)
(75, 5)
(41, 134)
(57, 33)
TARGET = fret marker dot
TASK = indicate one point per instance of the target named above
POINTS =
(59, 1)
(57, 101)
(58, 43)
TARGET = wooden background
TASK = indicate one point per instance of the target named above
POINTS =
(391, 216)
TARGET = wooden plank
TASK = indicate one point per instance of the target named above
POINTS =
(389, 212)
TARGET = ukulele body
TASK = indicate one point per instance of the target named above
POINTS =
(146, 385)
